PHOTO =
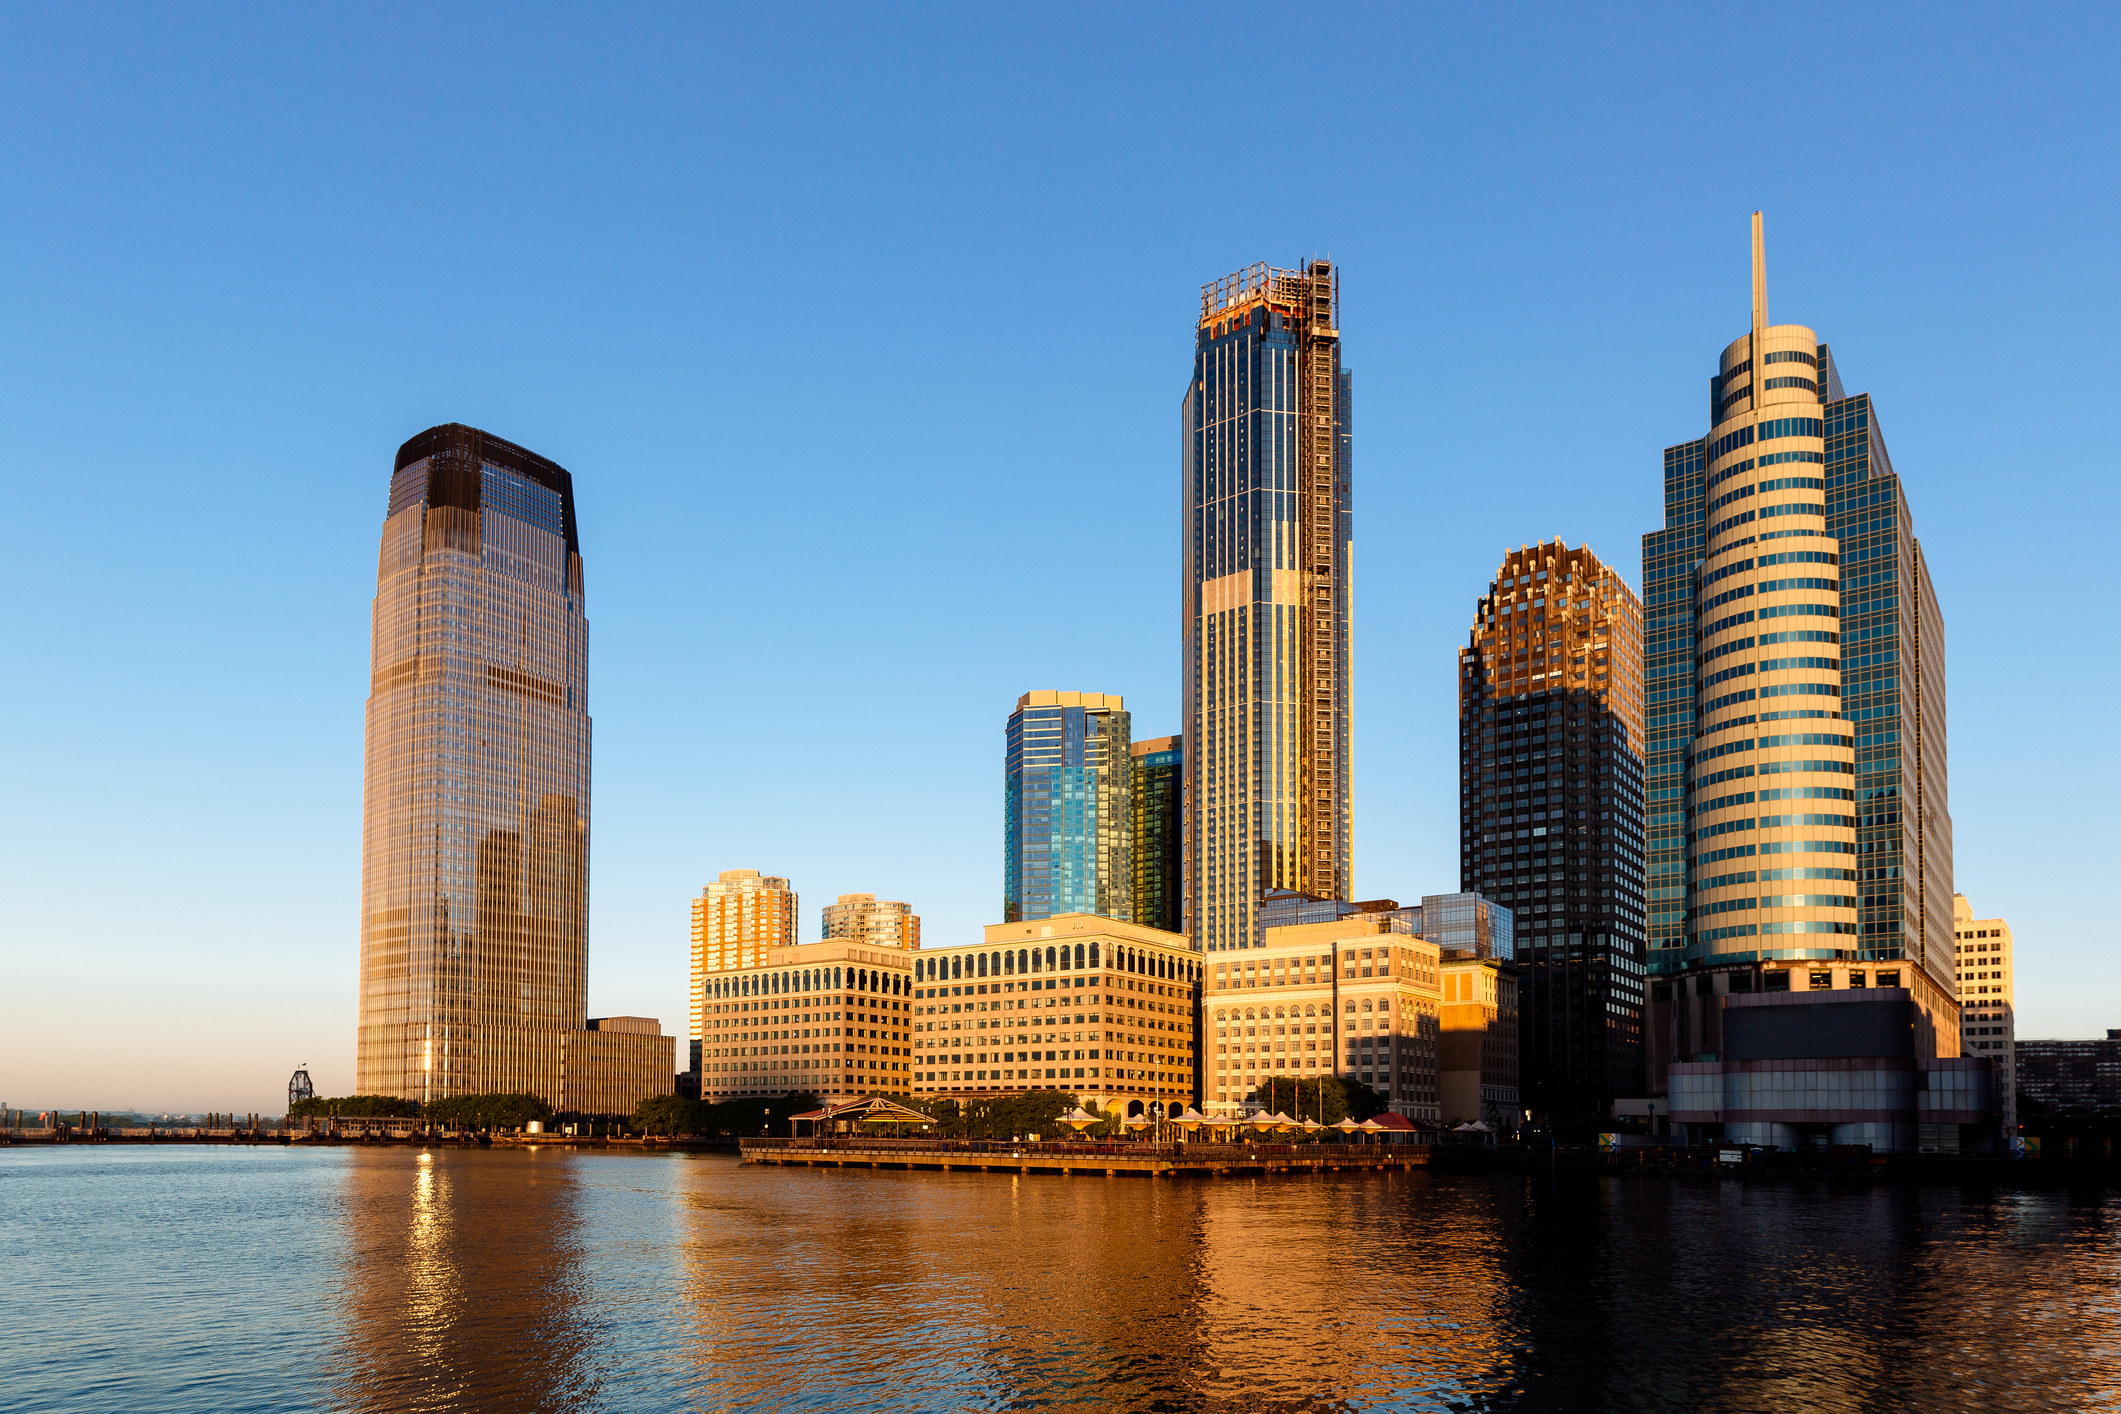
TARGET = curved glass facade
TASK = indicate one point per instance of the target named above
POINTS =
(475, 826)
(1799, 832)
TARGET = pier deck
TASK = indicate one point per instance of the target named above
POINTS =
(1082, 1157)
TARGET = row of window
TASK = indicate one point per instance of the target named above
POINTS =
(1742, 851)
(1740, 468)
(1761, 488)
(1750, 876)
(1766, 431)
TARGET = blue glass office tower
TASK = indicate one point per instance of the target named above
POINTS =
(1268, 504)
(1067, 808)
(1794, 704)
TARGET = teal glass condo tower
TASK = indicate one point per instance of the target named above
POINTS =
(1799, 833)
(1067, 808)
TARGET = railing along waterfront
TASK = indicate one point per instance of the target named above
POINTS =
(1110, 1157)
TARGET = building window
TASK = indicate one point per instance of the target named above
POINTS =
(1822, 981)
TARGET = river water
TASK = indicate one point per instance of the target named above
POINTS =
(182, 1278)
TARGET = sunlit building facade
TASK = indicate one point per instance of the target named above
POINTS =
(829, 1019)
(475, 827)
(1068, 823)
(736, 921)
(1478, 1050)
(865, 918)
(1800, 835)
(1103, 1010)
(1268, 505)
(1355, 996)
(1988, 1011)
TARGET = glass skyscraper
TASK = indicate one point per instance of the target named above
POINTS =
(475, 826)
(1268, 540)
(1067, 814)
(1799, 829)
(1160, 833)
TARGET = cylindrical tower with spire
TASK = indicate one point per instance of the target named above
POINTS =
(1772, 844)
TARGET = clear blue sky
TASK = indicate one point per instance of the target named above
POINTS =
(863, 331)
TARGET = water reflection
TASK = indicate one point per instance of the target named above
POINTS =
(462, 1282)
(380, 1280)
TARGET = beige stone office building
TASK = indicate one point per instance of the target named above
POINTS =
(875, 922)
(830, 1019)
(736, 921)
(1988, 1012)
(1103, 1009)
(1477, 1048)
(1356, 997)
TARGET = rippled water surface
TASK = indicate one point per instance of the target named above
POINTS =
(220, 1279)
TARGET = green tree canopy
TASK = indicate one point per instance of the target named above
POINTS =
(1328, 1101)
(496, 1111)
(1003, 1116)
(673, 1115)
(353, 1107)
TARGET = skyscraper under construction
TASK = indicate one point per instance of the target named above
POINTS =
(1268, 531)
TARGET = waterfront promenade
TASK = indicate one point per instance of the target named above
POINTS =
(1065, 1156)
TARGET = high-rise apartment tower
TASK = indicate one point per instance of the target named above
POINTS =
(1800, 835)
(475, 824)
(1268, 524)
(865, 918)
(1160, 833)
(1068, 826)
(735, 921)
(1550, 767)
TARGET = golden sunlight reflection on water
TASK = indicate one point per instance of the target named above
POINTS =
(384, 1280)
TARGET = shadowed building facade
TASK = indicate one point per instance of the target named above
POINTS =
(475, 825)
(1551, 814)
(1268, 504)
(1160, 833)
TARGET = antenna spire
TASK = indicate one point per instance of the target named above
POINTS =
(1760, 318)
